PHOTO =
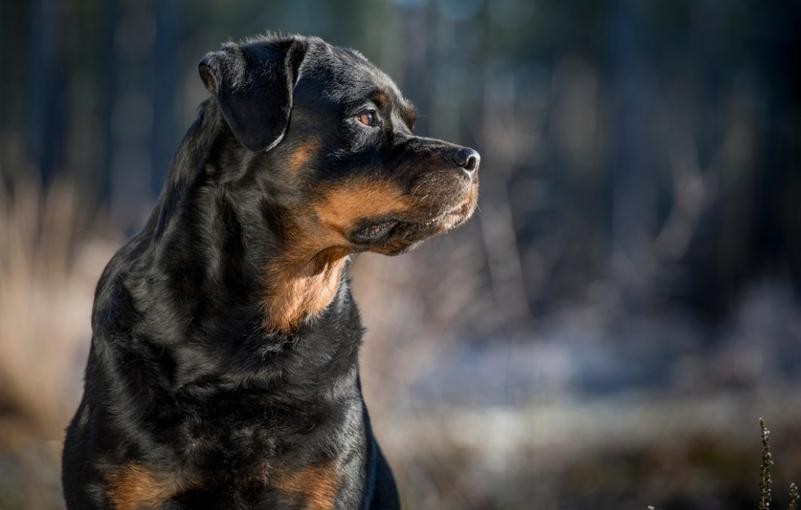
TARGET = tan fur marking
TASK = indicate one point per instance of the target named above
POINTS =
(304, 278)
(318, 484)
(301, 156)
(381, 98)
(344, 205)
(133, 487)
(293, 294)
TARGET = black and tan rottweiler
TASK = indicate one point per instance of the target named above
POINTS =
(223, 371)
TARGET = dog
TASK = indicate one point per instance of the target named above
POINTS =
(223, 369)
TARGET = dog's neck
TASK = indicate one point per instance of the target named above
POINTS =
(295, 279)
(298, 276)
(298, 291)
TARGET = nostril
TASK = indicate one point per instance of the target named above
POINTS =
(472, 163)
(468, 159)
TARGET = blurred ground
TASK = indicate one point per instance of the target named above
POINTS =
(604, 333)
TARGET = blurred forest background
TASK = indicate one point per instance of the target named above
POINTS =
(604, 334)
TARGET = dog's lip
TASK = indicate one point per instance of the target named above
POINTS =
(375, 230)
(379, 229)
(372, 231)
(462, 209)
(453, 211)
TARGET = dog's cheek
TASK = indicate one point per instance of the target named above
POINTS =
(342, 206)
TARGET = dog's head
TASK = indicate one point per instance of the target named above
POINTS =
(329, 137)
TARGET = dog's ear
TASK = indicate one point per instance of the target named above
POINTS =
(253, 84)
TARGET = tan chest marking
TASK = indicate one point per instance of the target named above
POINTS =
(317, 485)
(293, 294)
(134, 487)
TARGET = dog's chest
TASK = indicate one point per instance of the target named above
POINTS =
(264, 458)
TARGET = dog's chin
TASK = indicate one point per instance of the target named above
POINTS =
(394, 237)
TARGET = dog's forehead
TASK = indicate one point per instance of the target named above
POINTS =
(350, 77)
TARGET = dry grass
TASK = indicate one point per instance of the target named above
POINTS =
(766, 479)
(48, 273)
(48, 270)
(795, 497)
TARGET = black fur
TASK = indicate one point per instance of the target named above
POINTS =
(183, 379)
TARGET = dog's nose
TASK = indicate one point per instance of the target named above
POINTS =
(467, 159)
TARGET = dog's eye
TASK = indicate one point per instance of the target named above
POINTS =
(369, 118)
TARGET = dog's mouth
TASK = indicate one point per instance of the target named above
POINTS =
(395, 234)
(374, 231)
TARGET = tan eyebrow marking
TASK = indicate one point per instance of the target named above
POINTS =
(380, 98)
(409, 113)
(383, 99)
